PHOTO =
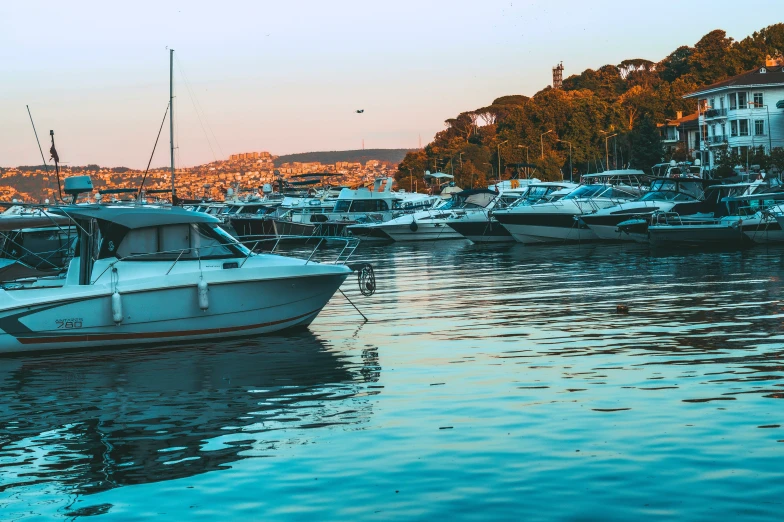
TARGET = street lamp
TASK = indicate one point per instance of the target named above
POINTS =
(541, 140)
(492, 173)
(570, 156)
(499, 159)
(527, 174)
(607, 150)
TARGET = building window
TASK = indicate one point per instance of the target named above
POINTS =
(742, 100)
(734, 128)
(758, 99)
(733, 101)
(721, 102)
(712, 103)
(759, 127)
(715, 130)
(743, 126)
(723, 129)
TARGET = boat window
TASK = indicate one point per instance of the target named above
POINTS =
(138, 242)
(667, 195)
(342, 205)
(616, 192)
(184, 241)
(586, 191)
(369, 205)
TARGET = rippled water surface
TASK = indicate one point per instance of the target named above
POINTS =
(490, 383)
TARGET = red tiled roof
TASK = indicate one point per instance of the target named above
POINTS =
(771, 76)
(679, 121)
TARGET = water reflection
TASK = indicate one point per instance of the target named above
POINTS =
(95, 421)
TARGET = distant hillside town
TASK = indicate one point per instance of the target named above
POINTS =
(247, 171)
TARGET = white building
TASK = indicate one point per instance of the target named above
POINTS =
(744, 112)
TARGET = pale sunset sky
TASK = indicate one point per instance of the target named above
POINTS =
(288, 76)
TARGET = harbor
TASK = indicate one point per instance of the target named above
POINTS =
(418, 261)
(485, 373)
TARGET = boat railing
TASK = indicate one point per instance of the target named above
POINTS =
(344, 254)
(666, 218)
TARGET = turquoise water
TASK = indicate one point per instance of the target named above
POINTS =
(491, 383)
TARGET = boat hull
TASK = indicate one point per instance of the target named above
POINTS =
(421, 232)
(721, 235)
(482, 231)
(169, 314)
(533, 234)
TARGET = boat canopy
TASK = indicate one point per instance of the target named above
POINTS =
(136, 217)
(438, 175)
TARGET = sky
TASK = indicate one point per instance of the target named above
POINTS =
(288, 77)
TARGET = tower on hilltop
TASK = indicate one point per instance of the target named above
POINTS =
(558, 76)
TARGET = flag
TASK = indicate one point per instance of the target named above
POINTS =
(53, 152)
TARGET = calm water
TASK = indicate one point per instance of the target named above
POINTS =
(490, 383)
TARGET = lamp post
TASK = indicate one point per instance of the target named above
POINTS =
(491, 169)
(527, 174)
(570, 156)
(410, 180)
(498, 178)
(541, 140)
(607, 150)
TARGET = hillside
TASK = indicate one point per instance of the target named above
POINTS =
(599, 119)
(352, 156)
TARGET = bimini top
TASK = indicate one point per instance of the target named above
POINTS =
(136, 217)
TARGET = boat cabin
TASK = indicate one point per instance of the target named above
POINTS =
(138, 234)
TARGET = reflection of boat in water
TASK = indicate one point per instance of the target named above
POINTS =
(93, 422)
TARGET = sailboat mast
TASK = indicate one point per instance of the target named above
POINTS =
(171, 118)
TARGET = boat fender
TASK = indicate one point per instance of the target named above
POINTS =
(413, 226)
(204, 300)
(117, 311)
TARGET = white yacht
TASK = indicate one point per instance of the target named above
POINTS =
(720, 223)
(434, 223)
(148, 275)
(682, 195)
(555, 222)
(481, 227)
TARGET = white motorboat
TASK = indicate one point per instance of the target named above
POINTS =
(146, 275)
(725, 223)
(682, 195)
(711, 209)
(481, 227)
(433, 223)
(555, 222)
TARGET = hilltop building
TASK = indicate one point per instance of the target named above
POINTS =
(743, 112)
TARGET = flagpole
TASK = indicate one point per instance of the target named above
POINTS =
(171, 119)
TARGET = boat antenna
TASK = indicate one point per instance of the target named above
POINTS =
(171, 120)
(46, 166)
(141, 186)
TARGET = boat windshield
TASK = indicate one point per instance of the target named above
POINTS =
(180, 241)
(667, 195)
(586, 191)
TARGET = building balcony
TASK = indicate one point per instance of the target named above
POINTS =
(715, 113)
(716, 140)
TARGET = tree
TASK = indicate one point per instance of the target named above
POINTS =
(777, 161)
(645, 144)
(676, 64)
(714, 58)
(725, 160)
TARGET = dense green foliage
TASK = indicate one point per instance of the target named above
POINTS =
(624, 100)
(352, 156)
